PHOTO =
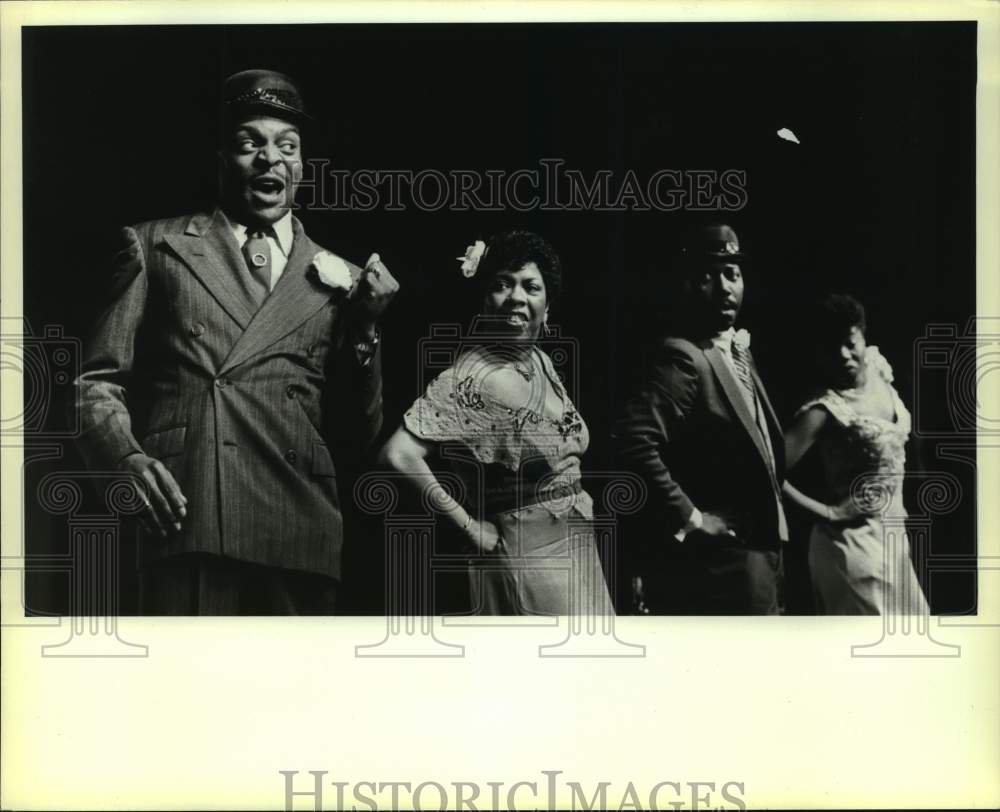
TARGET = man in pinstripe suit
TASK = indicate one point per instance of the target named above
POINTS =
(233, 353)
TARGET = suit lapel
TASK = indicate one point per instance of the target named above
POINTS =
(295, 298)
(774, 427)
(203, 247)
(731, 387)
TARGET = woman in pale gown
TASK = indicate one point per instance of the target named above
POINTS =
(502, 421)
(859, 556)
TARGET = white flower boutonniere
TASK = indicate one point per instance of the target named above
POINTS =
(473, 254)
(332, 271)
(741, 339)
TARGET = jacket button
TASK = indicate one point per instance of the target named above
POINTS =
(220, 382)
(290, 391)
(291, 455)
(197, 329)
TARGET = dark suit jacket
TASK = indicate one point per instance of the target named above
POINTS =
(237, 404)
(689, 434)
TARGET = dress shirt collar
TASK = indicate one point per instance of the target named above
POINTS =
(283, 234)
(722, 341)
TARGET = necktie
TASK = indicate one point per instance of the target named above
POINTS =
(257, 253)
(741, 361)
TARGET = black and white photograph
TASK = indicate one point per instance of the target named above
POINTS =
(589, 331)
(634, 201)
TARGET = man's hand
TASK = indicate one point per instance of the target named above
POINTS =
(165, 504)
(376, 288)
(639, 606)
(714, 525)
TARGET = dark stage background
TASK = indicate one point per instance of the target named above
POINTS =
(877, 200)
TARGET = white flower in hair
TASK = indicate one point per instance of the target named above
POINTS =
(741, 338)
(332, 271)
(473, 254)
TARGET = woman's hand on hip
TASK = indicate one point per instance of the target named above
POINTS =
(848, 513)
(483, 536)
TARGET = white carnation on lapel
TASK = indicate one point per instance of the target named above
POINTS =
(741, 338)
(332, 271)
(473, 253)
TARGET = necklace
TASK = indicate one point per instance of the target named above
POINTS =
(527, 374)
(525, 367)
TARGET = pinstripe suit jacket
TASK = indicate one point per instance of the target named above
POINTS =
(240, 406)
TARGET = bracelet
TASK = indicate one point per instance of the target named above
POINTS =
(499, 547)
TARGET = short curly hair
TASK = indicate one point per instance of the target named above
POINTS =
(835, 315)
(512, 250)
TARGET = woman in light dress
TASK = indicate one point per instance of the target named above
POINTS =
(859, 556)
(502, 421)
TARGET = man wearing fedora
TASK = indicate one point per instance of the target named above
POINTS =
(233, 355)
(703, 435)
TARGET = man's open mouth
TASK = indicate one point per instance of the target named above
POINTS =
(267, 185)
